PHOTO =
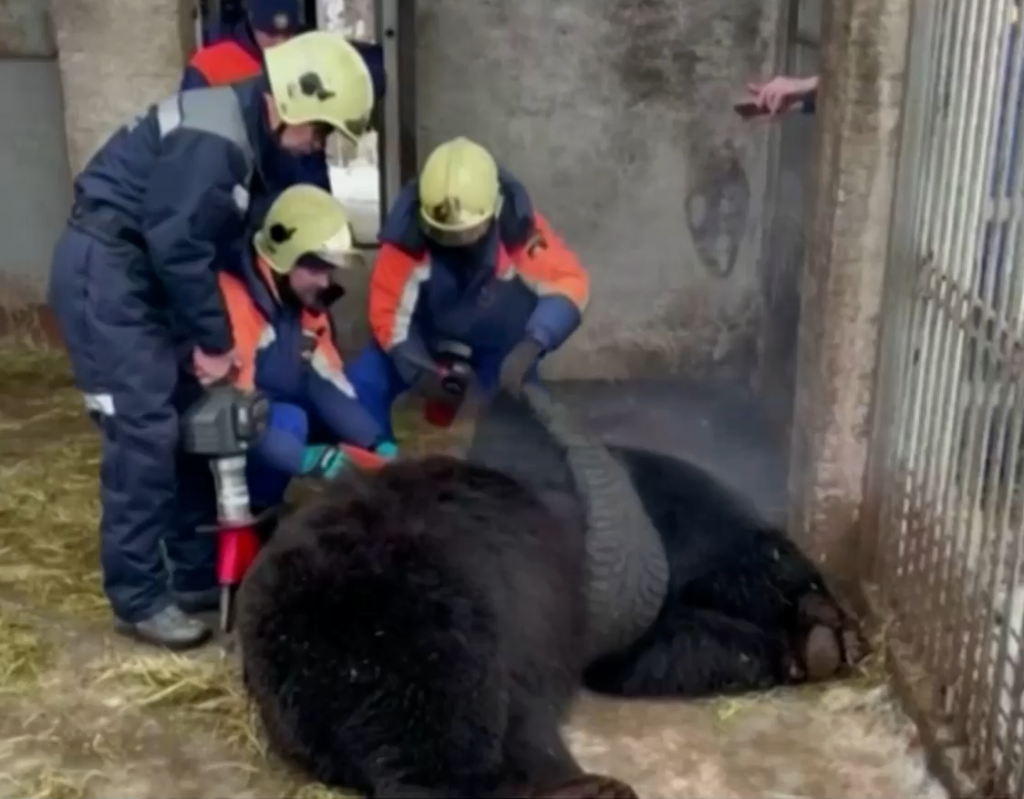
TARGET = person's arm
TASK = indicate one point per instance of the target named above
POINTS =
(553, 271)
(394, 293)
(331, 394)
(197, 195)
(783, 92)
(247, 327)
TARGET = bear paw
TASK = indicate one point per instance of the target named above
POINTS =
(821, 653)
(815, 608)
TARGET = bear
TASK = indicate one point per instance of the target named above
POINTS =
(417, 632)
(741, 606)
(745, 609)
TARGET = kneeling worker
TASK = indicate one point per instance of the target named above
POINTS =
(159, 207)
(465, 258)
(285, 346)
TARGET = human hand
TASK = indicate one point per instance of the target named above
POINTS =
(213, 368)
(518, 363)
(321, 460)
(387, 450)
(444, 383)
(781, 92)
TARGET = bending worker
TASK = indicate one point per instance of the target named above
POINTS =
(239, 56)
(465, 258)
(133, 288)
(285, 345)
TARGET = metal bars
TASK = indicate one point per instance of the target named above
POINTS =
(949, 548)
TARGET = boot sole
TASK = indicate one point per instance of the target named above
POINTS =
(131, 631)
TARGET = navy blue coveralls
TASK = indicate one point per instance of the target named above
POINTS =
(133, 289)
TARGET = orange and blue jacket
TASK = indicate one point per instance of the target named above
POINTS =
(289, 354)
(520, 281)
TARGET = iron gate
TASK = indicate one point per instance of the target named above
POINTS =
(948, 469)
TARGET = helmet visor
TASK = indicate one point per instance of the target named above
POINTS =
(337, 251)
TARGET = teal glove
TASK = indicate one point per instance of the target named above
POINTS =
(320, 460)
(389, 450)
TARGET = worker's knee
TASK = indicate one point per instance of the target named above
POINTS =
(267, 470)
(290, 419)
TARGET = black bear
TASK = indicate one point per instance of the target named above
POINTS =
(744, 608)
(737, 606)
(423, 630)
(419, 632)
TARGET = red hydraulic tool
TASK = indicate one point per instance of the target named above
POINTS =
(222, 426)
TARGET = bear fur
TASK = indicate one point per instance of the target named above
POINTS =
(746, 610)
(417, 632)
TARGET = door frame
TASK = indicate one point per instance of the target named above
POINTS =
(396, 32)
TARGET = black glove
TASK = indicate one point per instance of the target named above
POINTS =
(443, 383)
(517, 363)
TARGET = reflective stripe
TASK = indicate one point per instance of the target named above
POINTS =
(335, 377)
(102, 404)
(168, 116)
(267, 337)
(215, 110)
(240, 194)
(407, 304)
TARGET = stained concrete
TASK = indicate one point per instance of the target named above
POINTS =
(845, 742)
(843, 278)
(618, 116)
(33, 159)
(34, 169)
(719, 426)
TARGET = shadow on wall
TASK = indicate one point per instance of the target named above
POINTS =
(618, 116)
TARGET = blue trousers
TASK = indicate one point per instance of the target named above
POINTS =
(378, 384)
(267, 473)
(127, 359)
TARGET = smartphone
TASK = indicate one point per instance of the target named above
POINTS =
(748, 109)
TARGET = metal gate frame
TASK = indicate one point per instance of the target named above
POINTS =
(949, 411)
(396, 31)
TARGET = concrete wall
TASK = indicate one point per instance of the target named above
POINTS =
(618, 116)
(33, 158)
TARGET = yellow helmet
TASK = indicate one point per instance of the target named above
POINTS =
(304, 220)
(320, 77)
(459, 192)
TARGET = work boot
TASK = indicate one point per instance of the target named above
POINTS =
(169, 628)
(205, 601)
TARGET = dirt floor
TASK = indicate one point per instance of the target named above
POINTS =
(86, 714)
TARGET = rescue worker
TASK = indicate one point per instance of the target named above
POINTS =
(239, 56)
(133, 289)
(285, 345)
(465, 258)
